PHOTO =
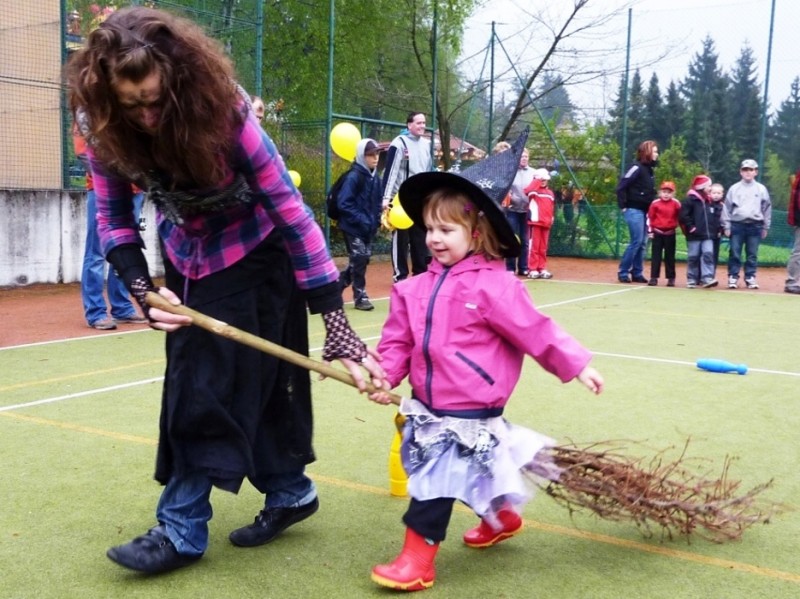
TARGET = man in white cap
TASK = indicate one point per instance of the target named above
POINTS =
(746, 217)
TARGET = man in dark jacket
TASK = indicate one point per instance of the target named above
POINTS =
(359, 202)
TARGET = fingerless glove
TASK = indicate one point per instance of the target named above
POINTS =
(341, 340)
(131, 266)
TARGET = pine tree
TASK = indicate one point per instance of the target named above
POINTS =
(707, 124)
(784, 133)
(636, 110)
(745, 108)
(654, 123)
(674, 112)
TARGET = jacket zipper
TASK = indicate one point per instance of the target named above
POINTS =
(427, 337)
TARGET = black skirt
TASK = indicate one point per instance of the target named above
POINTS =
(227, 409)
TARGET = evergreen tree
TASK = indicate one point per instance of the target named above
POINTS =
(674, 112)
(654, 122)
(707, 124)
(554, 102)
(636, 115)
(637, 126)
(784, 133)
(745, 104)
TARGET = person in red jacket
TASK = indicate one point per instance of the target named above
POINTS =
(662, 222)
(793, 214)
(542, 211)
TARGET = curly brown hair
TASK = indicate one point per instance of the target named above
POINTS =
(198, 96)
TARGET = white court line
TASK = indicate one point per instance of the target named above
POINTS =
(39, 402)
(684, 363)
(319, 349)
(83, 338)
(589, 297)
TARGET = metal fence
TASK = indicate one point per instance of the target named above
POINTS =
(35, 148)
(36, 39)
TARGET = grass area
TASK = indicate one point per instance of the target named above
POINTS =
(78, 471)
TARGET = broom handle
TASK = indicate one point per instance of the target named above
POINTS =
(268, 347)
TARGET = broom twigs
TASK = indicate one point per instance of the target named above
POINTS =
(667, 494)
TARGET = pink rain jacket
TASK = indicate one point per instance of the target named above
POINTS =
(461, 333)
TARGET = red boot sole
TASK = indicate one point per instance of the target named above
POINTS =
(502, 536)
(418, 584)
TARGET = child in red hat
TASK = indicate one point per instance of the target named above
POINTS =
(700, 218)
(662, 222)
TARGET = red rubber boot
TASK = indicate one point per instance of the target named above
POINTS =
(484, 535)
(413, 569)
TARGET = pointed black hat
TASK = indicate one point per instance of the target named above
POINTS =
(486, 183)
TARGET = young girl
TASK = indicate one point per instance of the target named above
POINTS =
(460, 332)
(717, 194)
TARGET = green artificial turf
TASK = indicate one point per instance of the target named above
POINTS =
(77, 473)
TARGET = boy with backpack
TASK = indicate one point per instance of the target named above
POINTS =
(357, 196)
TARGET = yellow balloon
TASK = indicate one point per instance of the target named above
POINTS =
(295, 178)
(344, 140)
(398, 217)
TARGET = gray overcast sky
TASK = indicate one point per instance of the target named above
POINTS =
(657, 25)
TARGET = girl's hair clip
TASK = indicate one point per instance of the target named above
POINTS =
(467, 207)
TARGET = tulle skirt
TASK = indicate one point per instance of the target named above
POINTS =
(486, 463)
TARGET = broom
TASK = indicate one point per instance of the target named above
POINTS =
(597, 477)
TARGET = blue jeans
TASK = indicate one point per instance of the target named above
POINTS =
(94, 268)
(632, 261)
(700, 261)
(519, 225)
(749, 236)
(184, 508)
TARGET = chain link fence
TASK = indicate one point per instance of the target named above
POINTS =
(36, 151)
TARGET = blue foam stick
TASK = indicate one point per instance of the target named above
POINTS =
(713, 365)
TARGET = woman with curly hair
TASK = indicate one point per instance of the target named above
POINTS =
(157, 102)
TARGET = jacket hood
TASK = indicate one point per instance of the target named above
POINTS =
(360, 155)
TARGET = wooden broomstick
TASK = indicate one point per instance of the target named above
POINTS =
(268, 347)
(598, 477)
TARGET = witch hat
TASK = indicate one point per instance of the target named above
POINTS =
(486, 183)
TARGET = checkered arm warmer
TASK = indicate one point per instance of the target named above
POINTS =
(341, 340)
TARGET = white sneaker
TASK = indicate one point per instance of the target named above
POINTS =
(751, 283)
(534, 274)
(732, 282)
(545, 275)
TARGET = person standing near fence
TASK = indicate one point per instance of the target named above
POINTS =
(517, 213)
(699, 218)
(662, 223)
(635, 192)
(93, 272)
(408, 155)
(238, 243)
(746, 218)
(541, 217)
(359, 204)
(793, 216)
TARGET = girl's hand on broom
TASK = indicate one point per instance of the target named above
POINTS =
(592, 380)
(382, 397)
(370, 362)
